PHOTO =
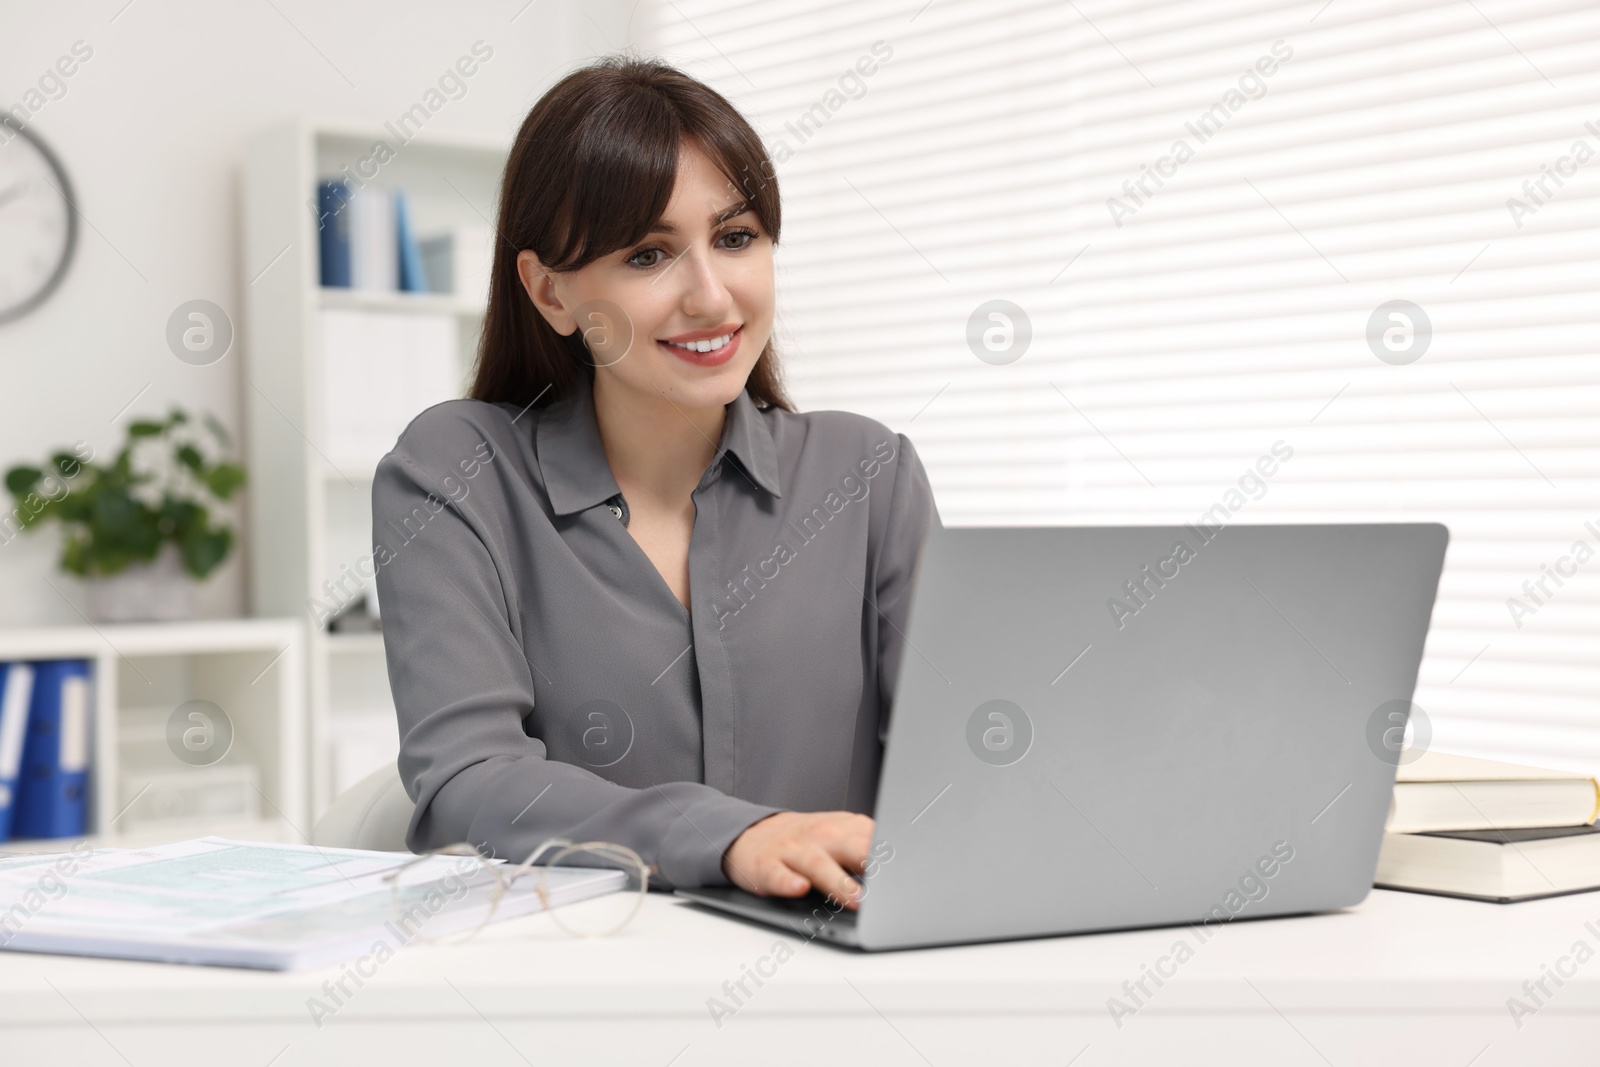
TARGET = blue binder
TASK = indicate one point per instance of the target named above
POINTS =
(412, 279)
(16, 690)
(333, 233)
(51, 801)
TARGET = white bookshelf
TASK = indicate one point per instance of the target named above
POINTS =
(310, 519)
(252, 669)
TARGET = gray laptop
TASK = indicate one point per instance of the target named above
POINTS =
(1100, 728)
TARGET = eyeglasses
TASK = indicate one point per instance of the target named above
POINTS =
(598, 920)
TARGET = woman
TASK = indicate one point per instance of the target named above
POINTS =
(629, 593)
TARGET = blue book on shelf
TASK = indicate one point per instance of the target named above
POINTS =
(51, 801)
(16, 690)
(411, 277)
(333, 237)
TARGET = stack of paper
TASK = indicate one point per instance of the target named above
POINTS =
(247, 904)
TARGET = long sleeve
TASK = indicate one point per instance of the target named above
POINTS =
(912, 513)
(463, 684)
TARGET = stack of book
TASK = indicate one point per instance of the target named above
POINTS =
(367, 240)
(44, 748)
(1467, 827)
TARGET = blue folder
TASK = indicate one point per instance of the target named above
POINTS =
(51, 801)
(16, 690)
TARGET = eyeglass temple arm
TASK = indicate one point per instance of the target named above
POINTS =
(554, 842)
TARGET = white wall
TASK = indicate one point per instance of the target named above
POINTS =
(149, 130)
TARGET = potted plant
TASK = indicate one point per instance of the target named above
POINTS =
(138, 530)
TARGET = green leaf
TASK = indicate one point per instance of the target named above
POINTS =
(146, 428)
(144, 540)
(224, 479)
(21, 480)
(66, 465)
(215, 426)
(47, 508)
(114, 512)
(78, 507)
(190, 457)
(180, 515)
(121, 530)
(75, 555)
(106, 563)
(204, 549)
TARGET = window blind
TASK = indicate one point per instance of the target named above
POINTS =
(1097, 258)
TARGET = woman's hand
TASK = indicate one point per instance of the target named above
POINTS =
(787, 853)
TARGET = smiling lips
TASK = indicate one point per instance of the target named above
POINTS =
(706, 348)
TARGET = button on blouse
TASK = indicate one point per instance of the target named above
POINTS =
(548, 682)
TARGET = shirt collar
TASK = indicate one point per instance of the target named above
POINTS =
(573, 461)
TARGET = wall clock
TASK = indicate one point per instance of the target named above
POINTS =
(38, 226)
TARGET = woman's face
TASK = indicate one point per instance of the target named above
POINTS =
(704, 274)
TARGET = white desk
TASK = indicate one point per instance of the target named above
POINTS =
(1401, 979)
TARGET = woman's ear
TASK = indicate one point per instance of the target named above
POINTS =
(540, 285)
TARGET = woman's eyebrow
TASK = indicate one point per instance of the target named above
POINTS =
(732, 211)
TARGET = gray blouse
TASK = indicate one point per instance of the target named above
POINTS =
(548, 682)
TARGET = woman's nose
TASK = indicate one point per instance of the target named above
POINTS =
(705, 292)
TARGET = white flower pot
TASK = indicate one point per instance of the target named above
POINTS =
(158, 591)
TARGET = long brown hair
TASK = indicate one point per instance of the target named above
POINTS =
(591, 171)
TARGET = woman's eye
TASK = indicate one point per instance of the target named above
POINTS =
(742, 237)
